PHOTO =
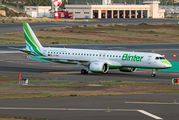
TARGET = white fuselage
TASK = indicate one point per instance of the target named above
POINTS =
(115, 59)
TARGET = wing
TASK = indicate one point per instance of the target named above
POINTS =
(23, 50)
(67, 59)
(61, 60)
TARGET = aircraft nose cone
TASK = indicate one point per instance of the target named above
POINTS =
(167, 64)
(170, 65)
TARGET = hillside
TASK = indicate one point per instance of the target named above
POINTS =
(10, 11)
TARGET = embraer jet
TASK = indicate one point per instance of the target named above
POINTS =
(96, 61)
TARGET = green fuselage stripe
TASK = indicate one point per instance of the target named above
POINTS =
(114, 66)
(66, 62)
(97, 71)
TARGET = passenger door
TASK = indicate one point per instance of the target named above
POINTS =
(149, 59)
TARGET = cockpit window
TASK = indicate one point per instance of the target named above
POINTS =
(162, 58)
(159, 58)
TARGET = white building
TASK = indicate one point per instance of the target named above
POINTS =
(104, 9)
(38, 11)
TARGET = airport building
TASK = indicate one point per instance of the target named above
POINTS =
(38, 11)
(105, 9)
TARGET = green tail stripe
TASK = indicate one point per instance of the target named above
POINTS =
(32, 45)
(29, 34)
(37, 51)
(28, 52)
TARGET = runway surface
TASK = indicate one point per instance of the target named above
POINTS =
(123, 107)
(16, 27)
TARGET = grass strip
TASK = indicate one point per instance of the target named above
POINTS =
(95, 88)
(100, 34)
(31, 20)
(20, 118)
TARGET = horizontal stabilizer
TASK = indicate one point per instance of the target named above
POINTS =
(20, 49)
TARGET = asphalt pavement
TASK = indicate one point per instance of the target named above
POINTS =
(123, 107)
(16, 27)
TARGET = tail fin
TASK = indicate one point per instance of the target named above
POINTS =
(32, 43)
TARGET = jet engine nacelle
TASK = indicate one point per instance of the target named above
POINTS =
(99, 67)
(127, 69)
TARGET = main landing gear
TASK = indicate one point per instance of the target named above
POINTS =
(153, 72)
(83, 71)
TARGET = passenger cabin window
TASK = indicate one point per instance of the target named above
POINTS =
(73, 53)
(107, 55)
(103, 55)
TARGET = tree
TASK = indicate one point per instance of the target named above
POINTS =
(3, 1)
(10, 1)
(62, 6)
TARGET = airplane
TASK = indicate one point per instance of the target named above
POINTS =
(96, 61)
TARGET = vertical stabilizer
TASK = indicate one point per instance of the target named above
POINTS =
(32, 43)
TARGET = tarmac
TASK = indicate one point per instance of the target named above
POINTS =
(17, 27)
(123, 107)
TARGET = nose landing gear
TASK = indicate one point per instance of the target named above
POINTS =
(153, 72)
(83, 71)
(153, 75)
